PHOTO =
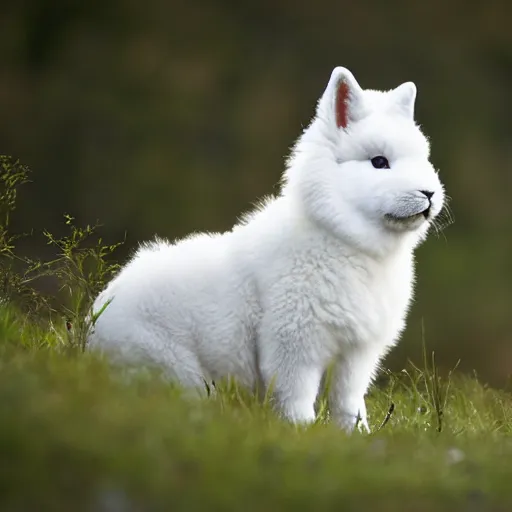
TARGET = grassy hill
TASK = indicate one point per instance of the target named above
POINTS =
(78, 435)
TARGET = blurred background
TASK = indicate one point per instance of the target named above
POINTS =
(169, 117)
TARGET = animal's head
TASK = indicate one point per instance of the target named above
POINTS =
(362, 169)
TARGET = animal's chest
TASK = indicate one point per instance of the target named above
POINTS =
(358, 303)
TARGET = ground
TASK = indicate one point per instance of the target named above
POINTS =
(76, 434)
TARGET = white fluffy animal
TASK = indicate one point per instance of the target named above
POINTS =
(323, 273)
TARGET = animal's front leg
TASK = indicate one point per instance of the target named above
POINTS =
(352, 376)
(288, 368)
(295, 388)
(297, 392)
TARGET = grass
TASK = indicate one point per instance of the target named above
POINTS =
(79, 434)
(76, 434)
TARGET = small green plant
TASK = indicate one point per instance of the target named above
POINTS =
(16, 272)
(81, 266)
(437, 388)
(431, 389)
(12, 175)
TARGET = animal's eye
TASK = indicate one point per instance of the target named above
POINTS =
(380, 162)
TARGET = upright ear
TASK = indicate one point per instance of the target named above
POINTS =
(342, 101)
(404, 96)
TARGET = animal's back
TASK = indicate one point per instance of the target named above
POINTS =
(181, 305)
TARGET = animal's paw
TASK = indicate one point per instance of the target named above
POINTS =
(299, 413)
(349, 422)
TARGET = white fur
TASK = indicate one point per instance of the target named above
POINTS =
(321, 273)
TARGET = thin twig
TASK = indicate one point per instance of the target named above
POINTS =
(387, 417)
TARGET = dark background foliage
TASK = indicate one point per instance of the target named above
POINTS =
(169, 117)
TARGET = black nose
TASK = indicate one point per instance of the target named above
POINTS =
(427, 193)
